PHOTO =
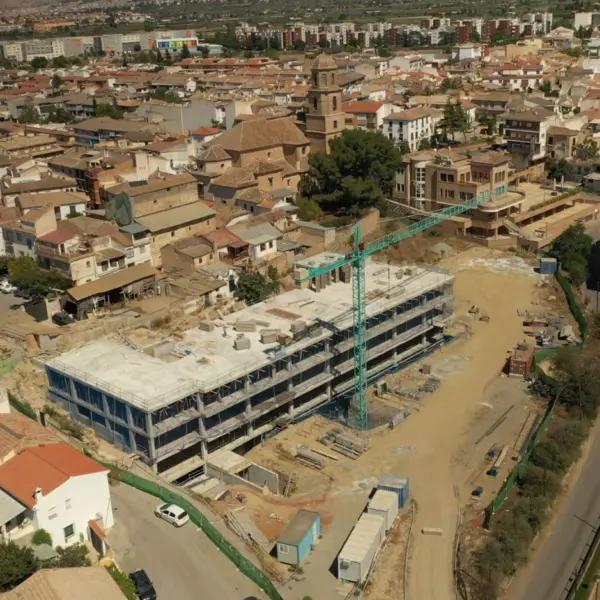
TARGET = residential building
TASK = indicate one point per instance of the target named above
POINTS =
(65, 204)
(31, 146)
(56, 488)
(92, 583)
(412, 126)
(367, 115)
(467, 51)
(18, 432)
(12, 187)
(20, 235)
(526, 133)
(104, 129)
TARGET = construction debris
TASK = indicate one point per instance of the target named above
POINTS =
(304, 455)
(344, 443)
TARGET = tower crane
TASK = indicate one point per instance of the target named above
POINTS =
(357, 260)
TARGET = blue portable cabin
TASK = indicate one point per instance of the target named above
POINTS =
(397, 484)
(298, 538)
(548, 266)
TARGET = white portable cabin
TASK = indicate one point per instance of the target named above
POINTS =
(385, 504)
(356, 557)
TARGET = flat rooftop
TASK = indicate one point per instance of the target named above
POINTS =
(207, 359)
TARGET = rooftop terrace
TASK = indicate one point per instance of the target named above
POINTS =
(204, 360)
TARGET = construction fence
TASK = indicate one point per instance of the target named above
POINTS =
(23, 407)
(155, 489)
(540, 357)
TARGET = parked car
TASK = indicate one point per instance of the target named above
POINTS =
(6, 287)
(63, 318)
(172, 514)
(143, 586)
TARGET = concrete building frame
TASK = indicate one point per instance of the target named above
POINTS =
(175, 431)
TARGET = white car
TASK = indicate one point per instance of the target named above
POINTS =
(6, 287)
(172, 514)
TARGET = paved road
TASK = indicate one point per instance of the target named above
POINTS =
(183, 563)
(549, 574)
(8, 301)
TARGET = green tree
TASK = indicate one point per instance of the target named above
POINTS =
(490, 123)
(56, 82)
(123, 581)
(60, 62)
(475, 36)
(75, 555)
(534, 482)
(273, 280)
(16, 565)
(148, 26)
(579, 376)
(27, 276)
(358, 172)
(185, 52)
(403, 146)
(561, 168)
(41, 536)
(39, 62)
(253, 287)
(588, 150)
(308, 209)
(425, 144)
(166, 96)
(108, 110)
(572, 249)
(455, 120)
(29, 113)
(545, 87)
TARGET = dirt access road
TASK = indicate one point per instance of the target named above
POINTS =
(438, 432)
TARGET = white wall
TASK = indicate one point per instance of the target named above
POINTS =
(74, 503)
(256, 253)
(65, 211)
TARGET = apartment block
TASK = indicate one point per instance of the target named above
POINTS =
(222, 386)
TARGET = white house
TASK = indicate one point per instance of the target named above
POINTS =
(464, 51)
(56, 488)
(411, 126)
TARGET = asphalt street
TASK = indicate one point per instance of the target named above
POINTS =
(8, 301)
(182, 562)
(549, 574)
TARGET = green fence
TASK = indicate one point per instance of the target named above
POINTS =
(6, 365)
(157, 490)
(540, 357)
(23, 407)
(576, 310)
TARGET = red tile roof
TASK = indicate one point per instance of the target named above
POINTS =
(46, 467)
(97, 529)
(207, 131)
(58, 236)
(362, 107)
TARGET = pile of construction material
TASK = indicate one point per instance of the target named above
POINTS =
(344, 443)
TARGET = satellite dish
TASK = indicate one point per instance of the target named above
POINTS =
(121, 210)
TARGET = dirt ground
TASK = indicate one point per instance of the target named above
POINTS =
(442, 445)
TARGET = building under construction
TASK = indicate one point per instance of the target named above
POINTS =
(225, 384)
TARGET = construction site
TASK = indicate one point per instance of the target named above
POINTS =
(228, 383)
(255, 410)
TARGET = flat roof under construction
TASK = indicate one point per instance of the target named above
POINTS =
(207, 359)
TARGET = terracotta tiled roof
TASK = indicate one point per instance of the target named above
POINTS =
(91, 583)
(46, 467)
(362, 107)
(58, 236)
(18, 432)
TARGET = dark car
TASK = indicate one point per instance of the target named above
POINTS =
(63, 318)
(143, 586)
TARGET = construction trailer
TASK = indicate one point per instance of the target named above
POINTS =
(299, 537)
(359, 551)
(227, 383)
(384, 504)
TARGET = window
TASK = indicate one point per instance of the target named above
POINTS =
(270, 182)
(68, 504)
(270, 244)
(52, 514)
(69, 531)
(105, 266)
(268, 155)
(88, 263)
(335, 124)
(284, 549)
(443, 177)
(335, 104)
(315, 103)
(263, 247)
(172, 234)
(450, 178)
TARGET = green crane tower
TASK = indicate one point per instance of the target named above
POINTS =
(357, 260)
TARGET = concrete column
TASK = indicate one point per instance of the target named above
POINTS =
(250, 429)
(248, 406)
(202, 426)
(329, 391)
(317, 282)
(291, 409)
(204, 451)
